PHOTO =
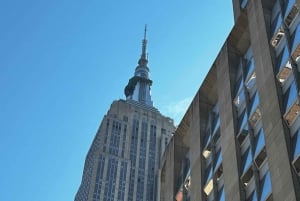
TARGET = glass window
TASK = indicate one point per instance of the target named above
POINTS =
(219, 172)
(250, 68)
(296, 154)
(218, 160)
(266, 187)
(208, 188)
(239, 85)
(261, 157)
(243, 121)
(291, 12)
(259, 142)
(209, 181)
(296, 46)
(251, 81)
(284, 73)
(207, 147)
(216, 137)
(217, 124)
(289, 6)
(243, 130)
(291, 96)
(255, 103)
(292, 108)
(277, 31)
(239, 99)
(283, 58)
(246, 160)
(221, 194)
(253, 197)
(276, 24)
(260, 154)
(296, 141)
(255, 113)
(208, 173)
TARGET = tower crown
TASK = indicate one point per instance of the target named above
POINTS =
(139, 86)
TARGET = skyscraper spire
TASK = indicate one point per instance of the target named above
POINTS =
(139, 86)
(144, 60)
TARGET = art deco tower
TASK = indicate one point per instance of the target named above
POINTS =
(123, 160)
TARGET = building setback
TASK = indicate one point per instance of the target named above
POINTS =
(240, 137)
(123, 161)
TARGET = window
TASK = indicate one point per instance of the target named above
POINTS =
(209, 181)
(221, 194)
(251, 81)
(255, 113)
(292, 108)
(250, 68)
(277, 31)
(207, 148)
(266, 191)
(218, 160)
(217, 124)
(125, 118)
(296, 154)
(246, 166)
(259, 153)
(246, 160)
(285, 67)
(239, 99)
(253, 197)
(261, 157)
(243, 130)
(296, 44)
(291, 12)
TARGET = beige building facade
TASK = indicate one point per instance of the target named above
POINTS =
(124, 159)
(240, 137)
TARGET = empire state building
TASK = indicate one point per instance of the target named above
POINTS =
(124, 158)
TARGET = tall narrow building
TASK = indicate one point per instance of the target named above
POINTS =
(123, 160)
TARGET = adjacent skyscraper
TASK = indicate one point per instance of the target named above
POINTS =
(240, 138)
(123, 161)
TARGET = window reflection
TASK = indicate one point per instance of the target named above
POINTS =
(250, 68)
(255, 102)
(259, 142)
(209, 181)
(284, 58)
(243, 130)
(284, 72)
(255, 113)
(291, 13)
(291, 96)
(266, 187)
(296, 46)
(208, 173)
(247, 160)
(218, 160)
(289, 6)
(277, 31)
(239, 99)
(296, 140)
(222, 195)
(251, 81)
(253, 197)
(207, 147)
(296, 154)
(292, 108)
(276, 24)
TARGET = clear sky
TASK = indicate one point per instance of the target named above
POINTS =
(62, 63)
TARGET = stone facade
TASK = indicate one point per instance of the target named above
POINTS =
(240, 137)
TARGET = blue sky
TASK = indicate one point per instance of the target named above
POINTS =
(63, 62)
